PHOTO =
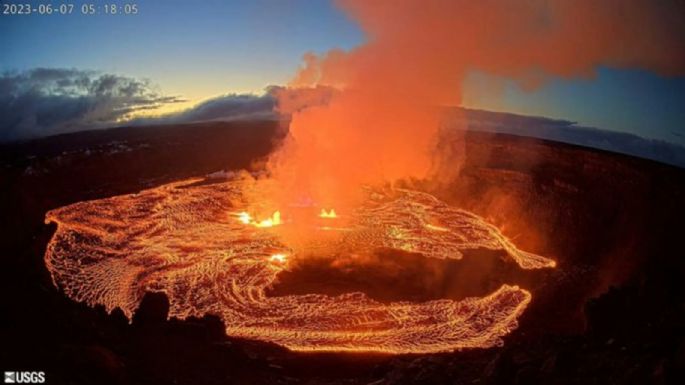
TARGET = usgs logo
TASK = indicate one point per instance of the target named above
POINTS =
(24, 377)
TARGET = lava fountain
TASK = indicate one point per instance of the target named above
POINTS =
(198, 243)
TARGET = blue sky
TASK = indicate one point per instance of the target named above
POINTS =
(195, 48)
(199, 50)
(632, 101)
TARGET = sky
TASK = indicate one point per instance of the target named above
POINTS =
(200, 50)
(196, 49)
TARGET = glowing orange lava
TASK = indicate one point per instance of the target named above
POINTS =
(272, 221)
(280, 258)
(328, 214)
(183, 239)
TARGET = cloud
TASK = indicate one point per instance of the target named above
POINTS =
(276, 102)
(48, 101)
(221, 108)
(293, 100)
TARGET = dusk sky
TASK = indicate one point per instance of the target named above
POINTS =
(200, 50)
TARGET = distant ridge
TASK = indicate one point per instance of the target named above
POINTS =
(565, 131)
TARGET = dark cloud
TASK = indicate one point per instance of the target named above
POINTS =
(276, 102)
(48, 101)
(231, 106)
(225, 107)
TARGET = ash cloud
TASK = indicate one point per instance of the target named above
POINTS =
(48, 101)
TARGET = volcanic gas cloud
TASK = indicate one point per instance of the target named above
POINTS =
(215, 248)
(383, 121)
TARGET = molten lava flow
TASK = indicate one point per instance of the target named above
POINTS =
(280, 258)
(245, 217)
(272, 221)
(436, 228)
(183, 239)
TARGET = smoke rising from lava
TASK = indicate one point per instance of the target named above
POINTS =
(383, 124)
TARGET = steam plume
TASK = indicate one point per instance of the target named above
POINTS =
(383, 123)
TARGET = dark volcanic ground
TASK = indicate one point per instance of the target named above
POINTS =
(612, 312)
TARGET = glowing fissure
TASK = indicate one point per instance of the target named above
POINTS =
(328, 214)
(183, 239)
(272, 221)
